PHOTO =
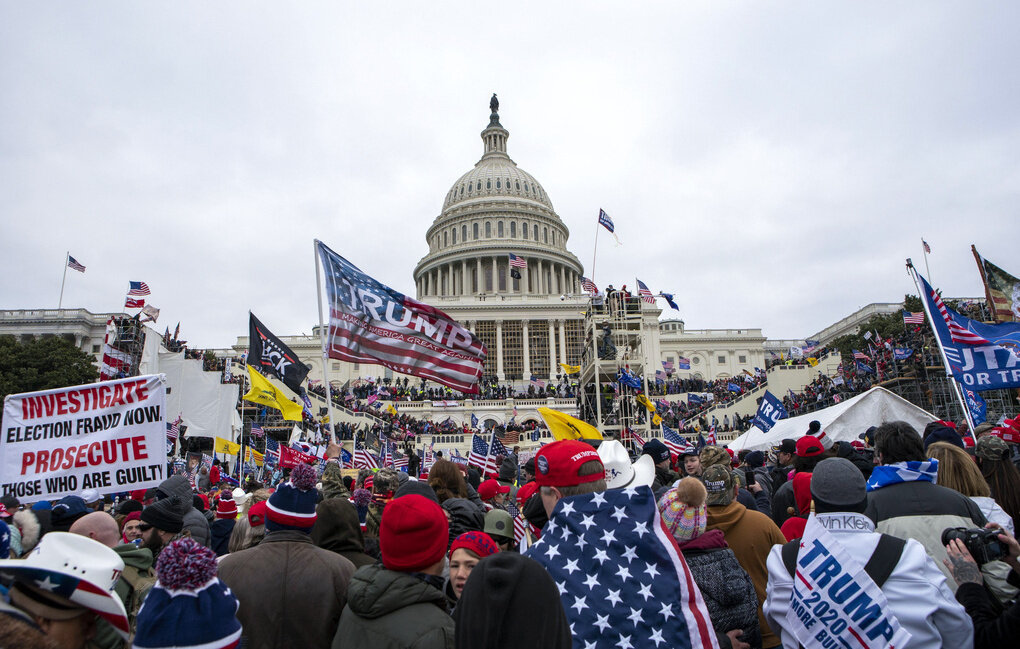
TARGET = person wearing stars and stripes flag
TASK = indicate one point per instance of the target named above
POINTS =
(622, 580)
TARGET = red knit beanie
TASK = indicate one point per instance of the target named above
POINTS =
(412, 534)
(479, 543)
(226, 508)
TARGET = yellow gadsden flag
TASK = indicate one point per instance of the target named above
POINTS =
(643, 400)
(226, 446)
(262, 391)
(566, 427)
(570, 369)
(656, 420)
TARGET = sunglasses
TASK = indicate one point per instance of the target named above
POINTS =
(144, 527)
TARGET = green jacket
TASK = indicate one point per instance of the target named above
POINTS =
(393, 610)
(333, 483)
(132, 587)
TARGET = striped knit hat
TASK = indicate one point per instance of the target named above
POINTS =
(292, 506)
(189, 606)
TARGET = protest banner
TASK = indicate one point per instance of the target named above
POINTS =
(108, 436)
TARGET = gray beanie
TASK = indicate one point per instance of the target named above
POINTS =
(836, 481)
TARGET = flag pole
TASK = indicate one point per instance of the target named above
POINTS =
(924, 248)
(593, 252)
(322, 341)
(67, 258)
(942, 350)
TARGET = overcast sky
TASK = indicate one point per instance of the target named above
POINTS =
(773, 164)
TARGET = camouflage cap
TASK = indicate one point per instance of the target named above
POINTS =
(718, 481)
(385, 481)
(712, 455)
(990, 447)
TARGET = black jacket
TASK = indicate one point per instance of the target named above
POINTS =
(991, 629)
(219, 534)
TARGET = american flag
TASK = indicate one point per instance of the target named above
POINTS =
(517, 262)
(520, 526)
(861, 356)
(364, 458)
(589, 286)
(398, 460)
(479, 454)
(605, 221)
(138, 288)
(632, 435)
(272, 451)
(683, 363)
(660, 375)
(667, 365)
(536, 382)
(453, 356)
(256, 430)
(621, 579)
(73, 264)
(173, 429)
(512, 437)
(642, 290)
(497, 449)
(710, 438)
(927, 248)
(430, 457)
(676, 444)
(134, 303)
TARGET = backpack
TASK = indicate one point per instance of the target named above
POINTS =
(138, 584)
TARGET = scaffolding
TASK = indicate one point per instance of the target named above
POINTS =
(127, 344)
(614, 344)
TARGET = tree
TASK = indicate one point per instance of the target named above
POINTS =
(887, 326)
(42, 364)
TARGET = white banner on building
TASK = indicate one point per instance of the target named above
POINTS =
(107, 436)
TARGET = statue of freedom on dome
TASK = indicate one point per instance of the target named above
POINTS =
(494, 104)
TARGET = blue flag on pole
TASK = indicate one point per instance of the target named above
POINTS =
(902, 353)
(981, 356)
(977, 406)
(474, 421)
(770, 411)
(733, 387)
(694, 399)
(864, 368)
(626, 378)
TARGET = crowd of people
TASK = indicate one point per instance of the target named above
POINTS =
(581, 545)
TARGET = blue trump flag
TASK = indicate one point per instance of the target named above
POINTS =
(977, 406)
(770, 411)
(902, 353)
(733, 387)
(474, 421)
(981, 356)
(864, 368)
(628, 379)
(694, 399)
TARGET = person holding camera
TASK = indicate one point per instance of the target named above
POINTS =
(993, 626)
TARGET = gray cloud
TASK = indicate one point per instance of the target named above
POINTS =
(771, 165)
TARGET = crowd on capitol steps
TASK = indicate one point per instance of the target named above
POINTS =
(903, 538)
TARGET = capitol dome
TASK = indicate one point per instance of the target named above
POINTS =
(493, 211)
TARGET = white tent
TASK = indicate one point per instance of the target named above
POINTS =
(843, 421)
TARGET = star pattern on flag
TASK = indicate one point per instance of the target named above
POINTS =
(625, 589)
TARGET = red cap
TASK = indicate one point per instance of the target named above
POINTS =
(488, 489)
(809, 446)
(3, 511)
(1007, 434)
(968, 442)
(557, 464)
(527, 491)
(257, 514)
(138, 494)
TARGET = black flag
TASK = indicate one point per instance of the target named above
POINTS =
(514, 273)
(268, 355)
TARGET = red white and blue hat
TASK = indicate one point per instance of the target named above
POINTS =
(67, 570)
(292, 506)
(189, 606)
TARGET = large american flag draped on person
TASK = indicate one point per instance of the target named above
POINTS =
(478, 456)
(370, 322)
(622, 580)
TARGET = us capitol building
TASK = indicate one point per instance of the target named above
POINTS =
(530, 324)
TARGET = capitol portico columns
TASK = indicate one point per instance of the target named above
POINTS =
(552, 348)
(563, 341)
(463, 277)
(526, 347)
(499, 350)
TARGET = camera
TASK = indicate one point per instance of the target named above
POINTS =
(984, 545)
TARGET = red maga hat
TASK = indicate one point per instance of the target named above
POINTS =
(557, 464)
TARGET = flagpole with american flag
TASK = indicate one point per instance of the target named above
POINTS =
(69, 262)
(942, 350)
(927, 251)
